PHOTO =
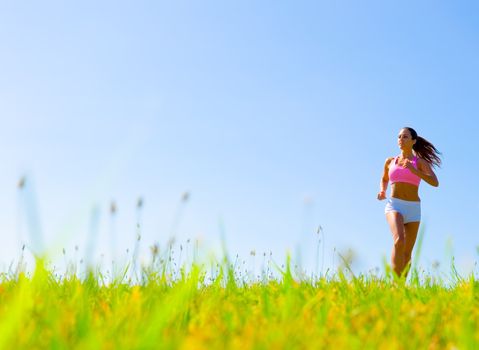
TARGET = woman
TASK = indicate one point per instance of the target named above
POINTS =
(403, 209)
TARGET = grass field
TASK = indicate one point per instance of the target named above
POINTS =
(198, 310)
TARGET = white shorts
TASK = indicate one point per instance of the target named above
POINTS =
(411, 211)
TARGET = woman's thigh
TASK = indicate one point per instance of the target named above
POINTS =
(396, 224)
(410, 234)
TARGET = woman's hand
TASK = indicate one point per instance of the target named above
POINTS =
(382, 195)
(406, 163)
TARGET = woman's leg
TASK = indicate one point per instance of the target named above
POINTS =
(410, 230)
(396, 225)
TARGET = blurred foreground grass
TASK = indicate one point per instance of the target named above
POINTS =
(192, 311)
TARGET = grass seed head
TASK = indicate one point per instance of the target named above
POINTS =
(139, 203)
(155, 249)
(21, 183)
(113, 208)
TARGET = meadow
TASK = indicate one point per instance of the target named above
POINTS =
(200, 306)
(186, 301)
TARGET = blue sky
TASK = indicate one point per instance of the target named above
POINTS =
(275, 117)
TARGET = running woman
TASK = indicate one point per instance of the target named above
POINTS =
(403, 209)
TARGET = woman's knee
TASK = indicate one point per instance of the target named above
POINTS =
(399, 242)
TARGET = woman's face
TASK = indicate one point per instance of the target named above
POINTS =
(405, 141)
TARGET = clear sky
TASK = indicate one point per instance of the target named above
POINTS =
(276, 117)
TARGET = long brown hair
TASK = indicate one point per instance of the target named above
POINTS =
(425, 149)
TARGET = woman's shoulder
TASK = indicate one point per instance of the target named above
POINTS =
(389, 160)
(421, 162)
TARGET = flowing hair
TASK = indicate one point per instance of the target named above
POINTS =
(425, 149)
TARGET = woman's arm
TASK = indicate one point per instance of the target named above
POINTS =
(424, 171)
(384, 180)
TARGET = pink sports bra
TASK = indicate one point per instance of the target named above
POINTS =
(399, 174)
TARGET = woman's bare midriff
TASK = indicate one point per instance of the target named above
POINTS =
(405, 191)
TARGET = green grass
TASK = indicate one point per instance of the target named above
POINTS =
(198, 310)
